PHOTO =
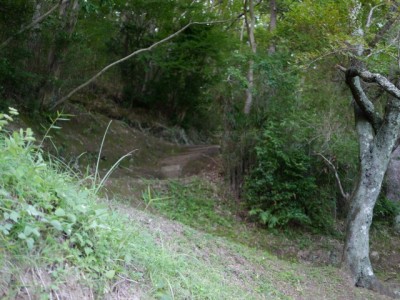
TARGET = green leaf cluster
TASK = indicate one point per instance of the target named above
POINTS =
(281, 190)
(385, 211)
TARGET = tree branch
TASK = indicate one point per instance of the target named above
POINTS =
(382, 81)
(31, 25)
(362, 100)
(371, 12)
(345, 195)
(388, 25)
(170, 37)
(239, 16)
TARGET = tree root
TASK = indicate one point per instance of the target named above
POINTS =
(377, 286)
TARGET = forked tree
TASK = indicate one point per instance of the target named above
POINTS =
(378, 137)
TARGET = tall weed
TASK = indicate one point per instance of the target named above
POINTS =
(42, 207)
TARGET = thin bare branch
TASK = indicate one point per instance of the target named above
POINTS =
(170, 37)
(31, 25)
(371, 12)
(324, 55)
(388, 25)
(243, 14)
(341, 68)
(345, 195)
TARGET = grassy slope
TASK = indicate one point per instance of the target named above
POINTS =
(59, 241)
(216, 268)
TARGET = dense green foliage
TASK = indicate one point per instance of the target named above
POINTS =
(281, 189)
(199, 80)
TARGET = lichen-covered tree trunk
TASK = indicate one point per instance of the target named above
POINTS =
(393, 177)
(356, 251)
(373, 163)
(377, 137)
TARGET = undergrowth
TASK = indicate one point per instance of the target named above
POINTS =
(193, 203)
(51, 222)
(199, 204)
(281, 189)
(42, 208)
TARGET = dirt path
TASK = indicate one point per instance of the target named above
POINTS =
(193, 160)
(79, 143)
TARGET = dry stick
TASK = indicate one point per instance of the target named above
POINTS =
(27, 27)
(371, 12)
(339, 183)
(341, 68)
(26, 289)
(170, 37)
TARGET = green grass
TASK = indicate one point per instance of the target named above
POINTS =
(57, 237)
(193, 203)
(199, 204)
(47, 216)
(52, 227)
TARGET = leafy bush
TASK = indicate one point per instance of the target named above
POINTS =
(280, 190)
(385, 210)
(42, 207)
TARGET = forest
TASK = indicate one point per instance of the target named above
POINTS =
(249, 127)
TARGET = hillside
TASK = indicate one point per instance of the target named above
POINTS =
(136, 253)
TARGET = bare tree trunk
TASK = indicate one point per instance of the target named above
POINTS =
(272, 24)
(375, 155)
(393, 177)
(34, 40)
(377, 137)
(359, 219)
(69, 10)
(250, 74)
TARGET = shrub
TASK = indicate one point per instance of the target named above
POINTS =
(43, 207)
(281, 190)
(385, 211)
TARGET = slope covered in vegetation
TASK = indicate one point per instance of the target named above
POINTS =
(267, 83)
(61, 240)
